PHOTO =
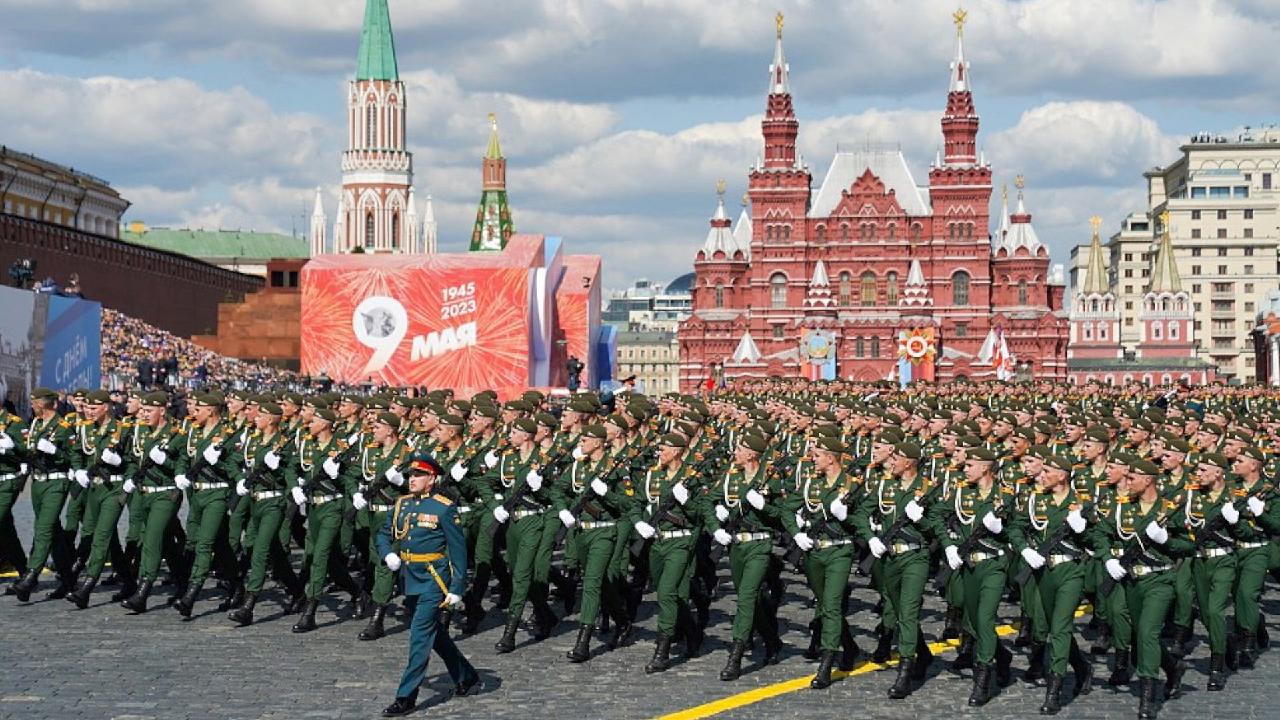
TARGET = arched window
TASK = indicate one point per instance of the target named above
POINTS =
(868, 283)
(768, 232)
(395, 231)
(821, 233)
(915, 232)
(892, 231)
(719, 295)
(1156, 328)
(875, 347)
(1173, 331)
(368, 230)
(778, 290)
(370, 126)
(960, 289)
(844, 231)
(1022, 292)
(891, 288)
(846, 288)
(786, 232)
(859, 349)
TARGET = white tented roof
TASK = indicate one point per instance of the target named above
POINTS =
(888, 165)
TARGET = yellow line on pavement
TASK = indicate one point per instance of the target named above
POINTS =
(760, 694)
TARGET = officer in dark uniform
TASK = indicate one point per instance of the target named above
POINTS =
(423, 535)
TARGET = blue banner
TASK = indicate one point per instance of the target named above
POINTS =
(72, 345)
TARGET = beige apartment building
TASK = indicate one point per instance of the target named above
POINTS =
(653, 357)
(1223, 199)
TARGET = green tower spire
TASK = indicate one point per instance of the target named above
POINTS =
(377, 59)
(493, 219)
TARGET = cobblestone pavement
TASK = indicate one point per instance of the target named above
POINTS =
(105, 663)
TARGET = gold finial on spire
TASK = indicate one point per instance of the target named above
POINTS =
(493, 121)
(746, 199)
(720, 186)
(1096, 222)
(959, 17)
(780, 20)
(1019, 182)
(1004, 192)
(1164, 222)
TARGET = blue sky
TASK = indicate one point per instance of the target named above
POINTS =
(617, 118)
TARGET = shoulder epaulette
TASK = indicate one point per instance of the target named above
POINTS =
(64, 424)
(443, 500)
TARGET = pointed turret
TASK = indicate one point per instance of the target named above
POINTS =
(1164, 269)
(339, 226)
(780, 124)
(960, 121)
(1021, 232)
(1095, 279)
(412, 228)
(377, 60)
(317, 226)
(493, 220)
(742, 230)
(779, 71)
(818, 296)
(915, 294)
(959, 68)
(1002, 235)
(748, 353)
(429, 228)
(719, 237)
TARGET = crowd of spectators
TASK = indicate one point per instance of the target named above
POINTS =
(136, 353)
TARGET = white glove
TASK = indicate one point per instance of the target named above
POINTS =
(46, 447)
(1076, 521)
(878, 548)
(839, 509)
(182, 482)
(458, 471)
(129, 487)
(722, 536)
(358, 502)
(680, 493)
(914, 511)
(1114, 569)
(241, 489)
(803, 541)
(452, 600)
(353, 438)
(645, 529)
(111, 457)
(82, 478)
(331, 468)
(271, 460)
(953, 557)
(568, 519)
(533, 480)
(1157, 533)
(992, 523)
(6, 442)
(393, 561)
(599, 487)
(1230, 514)
(577, 453)
(490, 459)
(158, 456)
(1256, 506)
(394, 477)
(500, 514)
(22, 468)
(212, 455)
(1033, 558)
(722, 513)
(756, 499)
(299, 497)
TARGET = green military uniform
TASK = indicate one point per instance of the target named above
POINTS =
(13, 472)
(103, 448)
(152, 463)
(207, 465)
(47, 454)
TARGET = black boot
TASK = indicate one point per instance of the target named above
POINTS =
(1174, 669)
(1024, 632)
(822, 679)
(924, 658)
(1181, 637)
(687, 625)
(733, 668)
(402, 705)
(661, 655)
(1052, 695)
(981, 685)
(1246, 650)
(1004, 663)
(307, 622)
(472, 613)
(1082, 666)
(508, 641)
(66, 584)
(1123, 672)
(815, 632)
(374, 629)
(581, 650)
(243, 615)
(902, 685)
(767, 625)
(187, 603)
(1232, 656)
(1103, 642)
(544, 621)
(849, 651)
(1261, 634)
(138, 601)
(951, 628)
(363, 605)
(81, 594)
(1035, 664)
(964, 657)
(1147, 699)
(1217, 672)
(128, 586)
(26, 584)
(884, 646)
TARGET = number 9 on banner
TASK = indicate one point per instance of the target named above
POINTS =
(379, 323)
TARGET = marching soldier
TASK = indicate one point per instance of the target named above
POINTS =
(103, 445)
(47, 455)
